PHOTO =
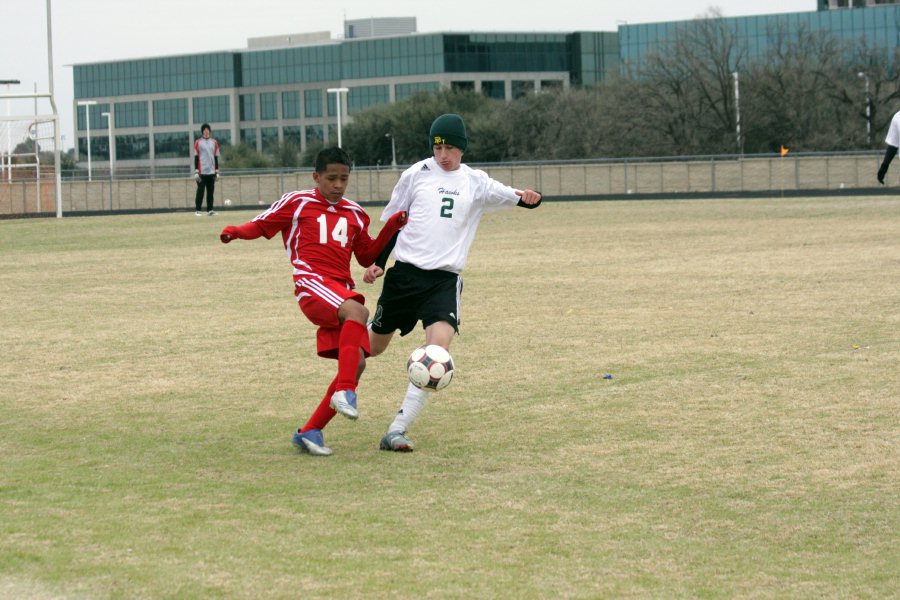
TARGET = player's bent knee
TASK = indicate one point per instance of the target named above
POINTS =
(378, 342)
(353, 311)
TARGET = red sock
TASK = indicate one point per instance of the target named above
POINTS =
(350, 340)
(323, 413)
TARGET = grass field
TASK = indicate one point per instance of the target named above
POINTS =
(747, 446)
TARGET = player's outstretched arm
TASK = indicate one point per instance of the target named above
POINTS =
(529, 198)
(367, 252)
(248, 231)
(889, 155)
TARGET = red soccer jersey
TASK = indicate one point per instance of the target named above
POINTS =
(319, 237)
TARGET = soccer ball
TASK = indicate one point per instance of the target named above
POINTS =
(430, 368)
(227, 201)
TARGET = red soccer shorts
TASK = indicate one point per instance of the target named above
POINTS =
(320, 299)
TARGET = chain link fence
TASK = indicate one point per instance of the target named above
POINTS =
(694, 176)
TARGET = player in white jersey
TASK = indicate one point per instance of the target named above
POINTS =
(206, 169)
(893, 142)
(445, 200)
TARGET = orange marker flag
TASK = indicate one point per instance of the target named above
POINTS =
(784, 150)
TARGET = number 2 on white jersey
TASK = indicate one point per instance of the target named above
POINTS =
(338, 234)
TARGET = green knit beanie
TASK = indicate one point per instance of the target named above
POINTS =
(449, 129)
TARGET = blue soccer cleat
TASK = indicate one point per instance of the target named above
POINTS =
(312, 442)
(344, 402)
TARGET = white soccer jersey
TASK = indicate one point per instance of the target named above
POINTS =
(444, 210)
(893, 134)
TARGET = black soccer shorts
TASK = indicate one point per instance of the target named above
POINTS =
(411, 294)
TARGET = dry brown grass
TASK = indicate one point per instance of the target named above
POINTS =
(748, 444)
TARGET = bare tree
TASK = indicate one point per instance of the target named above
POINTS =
(687, 86)
(805, 92)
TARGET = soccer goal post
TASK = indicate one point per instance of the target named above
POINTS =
(36, 137)
(30, 174)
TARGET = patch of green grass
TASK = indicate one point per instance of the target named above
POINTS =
(748, 444)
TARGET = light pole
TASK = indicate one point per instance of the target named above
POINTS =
(87, 104)
(868, 110)
(109, 129)
(7, 83)
(393, 151)
(337, 94)
(737, 113)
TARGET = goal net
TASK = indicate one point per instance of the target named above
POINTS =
(28, 169)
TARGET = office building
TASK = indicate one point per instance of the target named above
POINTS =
(878, 24)
(276, 90)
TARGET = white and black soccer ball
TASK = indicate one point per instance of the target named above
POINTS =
(430, 367)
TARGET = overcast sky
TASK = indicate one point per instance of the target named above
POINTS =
(86, 31)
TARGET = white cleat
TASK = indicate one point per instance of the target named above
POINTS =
(344, 402)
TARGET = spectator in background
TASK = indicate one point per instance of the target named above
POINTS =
(206, 169)
(893, 142)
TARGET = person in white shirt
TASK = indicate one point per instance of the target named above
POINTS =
(445, 201)
(893, 142)
(206, 169)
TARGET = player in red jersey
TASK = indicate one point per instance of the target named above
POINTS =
(321, 230)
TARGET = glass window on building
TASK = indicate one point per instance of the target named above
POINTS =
(403, 91)
(505, 52)
(248, 137)
(269, 138)
(176, 144)
(361, 98)
(97, 118)
(521, 89)
(494, 89)
(268, 106)
(170, 112)
(99, 147)
(131, 114)
(212, 109)
(132, 147)
(248, 107)
(290, 105)
(293, 135)
(462, 86)
(312, 100)
(222, 136)
(315, 134)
